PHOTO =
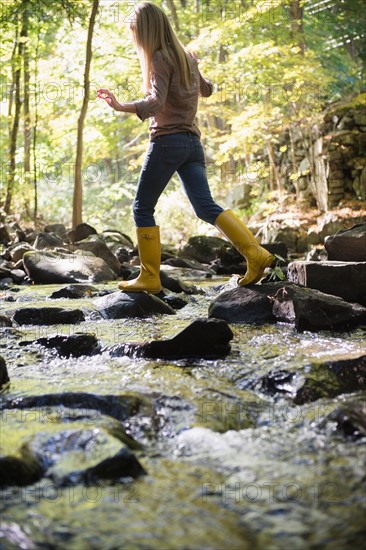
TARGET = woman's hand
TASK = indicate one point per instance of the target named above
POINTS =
(109, 98)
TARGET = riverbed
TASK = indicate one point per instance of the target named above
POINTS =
(228, 466)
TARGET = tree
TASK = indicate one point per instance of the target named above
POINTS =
(78, 190)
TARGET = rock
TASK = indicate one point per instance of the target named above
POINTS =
(18, 275)
(344, 279)
(4, 376)
(174, 284)
(120, 305)
(48, 316)
(82, 231)
(17, 251)
(205, 249)
(186, 263)
(350, 419)
(53, 268)
(98, 247)
(57, 228)
(204, 339)
(314, 310)
(332, 378)
(20, 469)
(348, 245)
(47, 240)
(5, 321)
(4, 235)
(74, 292)
(250, 304)
(115, 239)
(123, 464)
(119, 407)
(75, 345)
(176, 302)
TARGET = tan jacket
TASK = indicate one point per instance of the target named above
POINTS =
(171, 107)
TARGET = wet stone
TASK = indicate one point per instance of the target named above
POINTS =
(348, 245)
(4, 376)
(204, 338)
(48, 316)
(74, 292)
(76, 345)
(250, 304)
(120, 305)
(314, 310)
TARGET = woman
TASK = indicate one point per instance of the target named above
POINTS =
(173, 84)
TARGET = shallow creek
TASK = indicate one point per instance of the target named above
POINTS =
(228, 466)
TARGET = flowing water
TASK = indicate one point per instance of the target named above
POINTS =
(228, 466)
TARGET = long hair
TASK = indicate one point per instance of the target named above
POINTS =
(152, 31)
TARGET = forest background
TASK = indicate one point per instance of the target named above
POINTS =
(67, 157)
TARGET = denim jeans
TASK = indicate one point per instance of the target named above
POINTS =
(181, 153)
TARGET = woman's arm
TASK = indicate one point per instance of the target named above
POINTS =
(116, 105)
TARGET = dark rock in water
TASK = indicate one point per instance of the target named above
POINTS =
(280, 381)
(75, 345)
(176, 302)
(314, 310)
(74, 292)
(348, 245)
(120, 407)
(344, 279)
(174, 284)
(123, 464)
(245, 304)
(350, 418)
(5, 321)
(18, 275)
(82, 231)
(204, 338)
(332, 378)
(48, 316)
(54, 268)
(120, 305)
(4, 376)
(20, 469)
(47, 240)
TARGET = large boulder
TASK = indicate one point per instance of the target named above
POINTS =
(120, 305)
(203, 338)
(99, 248)
(53, 268)
(245, 304)
(314, 310)
(348, 245)
(344, 279)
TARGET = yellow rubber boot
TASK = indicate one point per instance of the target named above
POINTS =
(257, 257)
(148, 240)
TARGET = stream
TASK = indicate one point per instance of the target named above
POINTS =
(228, 465)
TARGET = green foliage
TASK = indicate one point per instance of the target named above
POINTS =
(264, 86)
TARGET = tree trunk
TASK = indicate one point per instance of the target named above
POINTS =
(13, 61)
(296, 11)
(35, 175)
(173, 11)
(26, 108)
(78, 190)
(14, 129)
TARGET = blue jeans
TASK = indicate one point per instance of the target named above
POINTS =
(181, 153)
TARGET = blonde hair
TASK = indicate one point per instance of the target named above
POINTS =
(152, 31)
